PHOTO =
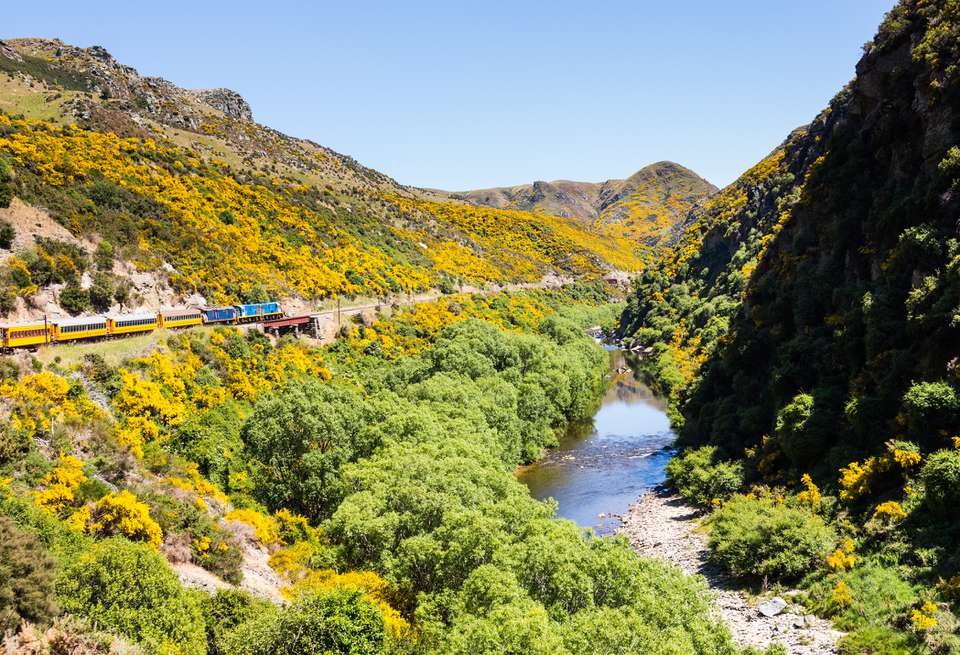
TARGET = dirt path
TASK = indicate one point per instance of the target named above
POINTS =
(663, 526)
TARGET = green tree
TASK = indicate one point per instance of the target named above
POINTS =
(941, 483)
(7, 233)
(74, 299)
(300, 438)
(336, 622)
(103, 256)
(26, 578)
(101, 291)
(128, 589)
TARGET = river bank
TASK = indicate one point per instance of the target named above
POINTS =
(662, 526)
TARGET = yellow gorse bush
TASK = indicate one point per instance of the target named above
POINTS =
(60, 485)
(40, 399)
(122, 513)
(889, 511)
(811, 494)
(842, 559)
(371, 585)
(265, 526)
(923, 618)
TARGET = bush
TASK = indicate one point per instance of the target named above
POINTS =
(941, 481)
(101, 291)
(127, 588)
(336, 622)
(26, 578)
(759, 537)
(224, 611)
(695, 475)
(7, 233)
(930, 407)
(13, 443)
(876, 595)
(74, 299)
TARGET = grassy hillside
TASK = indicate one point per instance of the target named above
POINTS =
(644, 207)
(808, 322)
(193, 197)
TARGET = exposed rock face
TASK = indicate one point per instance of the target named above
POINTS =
(229, 102)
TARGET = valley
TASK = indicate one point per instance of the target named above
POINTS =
(642, 415)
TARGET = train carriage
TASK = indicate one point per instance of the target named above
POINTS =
(178, 318)
(25, 335)
(258, 311)
(132, 323)
(219, 314)
(81, 327)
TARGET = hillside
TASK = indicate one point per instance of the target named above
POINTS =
(188, 199)
(808, 321)
(644, 206)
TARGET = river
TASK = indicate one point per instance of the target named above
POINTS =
(603, 465)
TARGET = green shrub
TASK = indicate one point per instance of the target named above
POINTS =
(74, 299)
(7, 233)
(941, 482)
(876, 640)
(930, 407)
(26, 578)
(127, 588)
(336, 622)
(878, 599)
(700, 479)
(759, 537)
(224, 611)
(13, 443)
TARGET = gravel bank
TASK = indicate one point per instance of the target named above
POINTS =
(663, 526)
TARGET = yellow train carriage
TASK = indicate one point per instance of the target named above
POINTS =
(82, 327)
(25, 335)
(132, 323)
(178, 318)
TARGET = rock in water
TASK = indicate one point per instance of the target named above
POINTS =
(772, 607)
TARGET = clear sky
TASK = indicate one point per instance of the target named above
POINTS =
(461, 95)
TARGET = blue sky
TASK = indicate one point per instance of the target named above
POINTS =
(461, 95)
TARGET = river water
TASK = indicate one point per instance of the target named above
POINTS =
(605, 464)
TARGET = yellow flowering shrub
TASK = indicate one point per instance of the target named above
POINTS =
(811, 494)
(923, 618)
(842, 559)
(39, 400)
(889, 511)
(368, 583)
(60, 485)
(145, 398)
(856, 478)
(265, 526)
(122, 513)
(841, 596)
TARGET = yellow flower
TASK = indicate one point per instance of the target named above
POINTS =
(811, 494)
(924, 617)
(890, 510)
(122, 513)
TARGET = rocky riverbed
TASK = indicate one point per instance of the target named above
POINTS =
(663, 526)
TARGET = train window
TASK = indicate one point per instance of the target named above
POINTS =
(26, 334)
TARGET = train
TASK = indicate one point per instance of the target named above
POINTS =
(32, 334)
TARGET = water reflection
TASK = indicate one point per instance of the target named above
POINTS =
(604, 464)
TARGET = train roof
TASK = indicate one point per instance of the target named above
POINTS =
(177, 311)
(132, 317)
(79, 320)
(18, 324)
(210, 308)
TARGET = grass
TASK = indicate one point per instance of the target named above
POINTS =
(113, 351)
(16, 97)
